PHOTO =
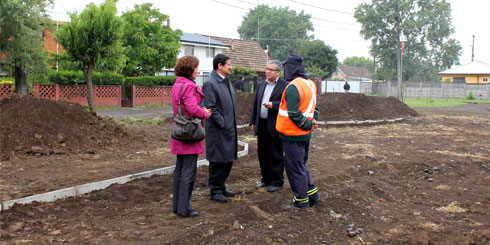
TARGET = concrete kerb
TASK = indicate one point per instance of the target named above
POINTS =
(99, 185)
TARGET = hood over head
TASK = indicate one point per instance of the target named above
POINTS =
(293, 67)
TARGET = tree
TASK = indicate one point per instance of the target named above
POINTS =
(320, 60)
(426, 24)
(150, 44)
(93, 38)
(21, 38)
(280, 29)
(359, 62)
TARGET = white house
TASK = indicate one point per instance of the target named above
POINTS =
(204, 48)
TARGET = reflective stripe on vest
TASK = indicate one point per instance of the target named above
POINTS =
(307, 102)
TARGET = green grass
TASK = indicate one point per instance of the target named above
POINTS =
(439, 102)
(132, 120)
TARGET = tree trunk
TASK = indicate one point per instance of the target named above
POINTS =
(90, 88)
(20, 79)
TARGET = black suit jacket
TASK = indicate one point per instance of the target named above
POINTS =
(272, 113)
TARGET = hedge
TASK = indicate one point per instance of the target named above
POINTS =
(99, 78)
(75, 78)
(150, 81)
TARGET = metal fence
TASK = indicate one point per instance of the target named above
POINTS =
(433, 90)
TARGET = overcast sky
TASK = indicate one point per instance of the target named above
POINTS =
(333, 20)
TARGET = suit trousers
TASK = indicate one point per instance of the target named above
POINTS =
(295, 158)
(269, 150)
(218, 173)
(184, 177)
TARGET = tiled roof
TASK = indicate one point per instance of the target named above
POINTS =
(201, 39)
(354, 72)
(472, 68)
(246, 54)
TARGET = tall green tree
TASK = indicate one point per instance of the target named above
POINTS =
(150, 44)
(426, 24)
(320, 60)
(280, 29)
(359, 62)
(21, 38)
(94, 38)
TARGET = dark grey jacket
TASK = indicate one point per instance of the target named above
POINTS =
(221, 128)
(275, 98)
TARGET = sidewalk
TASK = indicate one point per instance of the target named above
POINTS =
(147, 113)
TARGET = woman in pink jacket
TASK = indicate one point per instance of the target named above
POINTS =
(191, 97)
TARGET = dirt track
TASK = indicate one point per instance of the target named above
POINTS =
(422, 181)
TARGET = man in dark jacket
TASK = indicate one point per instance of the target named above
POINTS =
(346, 87)
(239, 85)
(263, 121)
(221, 128)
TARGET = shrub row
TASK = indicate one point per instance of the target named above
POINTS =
(99, 78)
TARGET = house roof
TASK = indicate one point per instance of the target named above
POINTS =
(354, 72)
(248, 54)
(472, 68)
(201, 39)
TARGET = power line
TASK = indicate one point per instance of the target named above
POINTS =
(231, 5)
(343, 23)
(313, 6)
(338, 28)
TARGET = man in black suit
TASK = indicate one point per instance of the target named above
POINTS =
(263, 121)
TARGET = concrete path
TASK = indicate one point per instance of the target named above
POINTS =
(146, 113)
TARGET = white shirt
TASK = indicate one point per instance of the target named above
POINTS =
(266, 97)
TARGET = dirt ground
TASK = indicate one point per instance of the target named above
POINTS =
(422, 181)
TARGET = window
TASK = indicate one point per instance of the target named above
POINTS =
(210, 52)
(485, 79)
(188, 50)
(459, 80)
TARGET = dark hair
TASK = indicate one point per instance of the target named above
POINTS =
(219, 59)
(185, 66)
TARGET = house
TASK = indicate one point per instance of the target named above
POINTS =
(248, 54)
(474, 72)
(351, 73)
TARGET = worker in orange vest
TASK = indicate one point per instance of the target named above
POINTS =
(296, 119)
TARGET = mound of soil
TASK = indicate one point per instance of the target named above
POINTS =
(36, 126)
(341, 107)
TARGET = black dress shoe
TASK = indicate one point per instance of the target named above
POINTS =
(218, 198)
(192, 214)
(261, 185)
(274, 188)
(228, 193)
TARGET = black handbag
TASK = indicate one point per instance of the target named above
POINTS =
(187, 129)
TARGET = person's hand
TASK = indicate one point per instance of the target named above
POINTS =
(208, 111)
(253, 128)
(315, 125)
(268, 105)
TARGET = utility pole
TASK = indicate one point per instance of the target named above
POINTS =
(398, 54)
(473, 49)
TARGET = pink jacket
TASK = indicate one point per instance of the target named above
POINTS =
(191, 99)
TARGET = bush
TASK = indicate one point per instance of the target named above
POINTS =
(470, 96)
(77, 77)
(150, 81)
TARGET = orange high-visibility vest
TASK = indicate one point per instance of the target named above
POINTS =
(307, 103)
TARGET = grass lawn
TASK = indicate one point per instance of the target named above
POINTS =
(439, 102)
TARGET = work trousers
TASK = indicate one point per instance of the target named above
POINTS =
(218, 173)
(295, 158)
(184, 177)
(269, 150)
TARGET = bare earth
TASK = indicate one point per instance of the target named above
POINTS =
(422, 181)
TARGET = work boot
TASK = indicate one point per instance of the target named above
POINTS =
(218, 198)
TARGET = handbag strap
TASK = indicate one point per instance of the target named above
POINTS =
(180, 97)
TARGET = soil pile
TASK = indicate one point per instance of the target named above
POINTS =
(36, 126)
(341, 107)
